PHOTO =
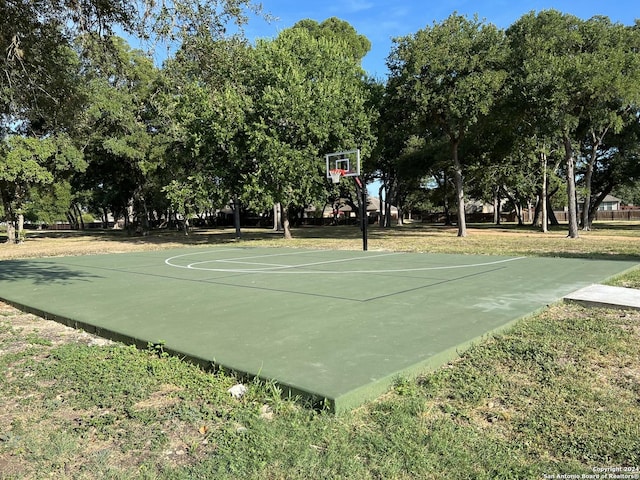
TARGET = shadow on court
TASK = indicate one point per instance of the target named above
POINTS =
(42, 272)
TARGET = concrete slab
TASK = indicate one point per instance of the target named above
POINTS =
(333, 326)
(606, 296)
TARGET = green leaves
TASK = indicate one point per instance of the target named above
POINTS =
(310, 99)
(450, 72)
(574, 81)
(565, 68)
(27, 160)
(450, 75)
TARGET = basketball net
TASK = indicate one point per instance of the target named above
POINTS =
(335, 174)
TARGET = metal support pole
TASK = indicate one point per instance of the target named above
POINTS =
(363, 212)
(236, 216)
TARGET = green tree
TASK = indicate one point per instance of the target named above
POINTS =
(117, 127)
(29, 162)
(310, 99)
(207, 105)
(618, 171)
(575, 79)
(394, 130)
(449, 75)
(49, 203)
(38, 101)
(338, 30)
(612, 84)
(36, 39)
(39, 93)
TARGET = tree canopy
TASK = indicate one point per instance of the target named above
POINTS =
(449, 76)
(312, 99)
(548, 106)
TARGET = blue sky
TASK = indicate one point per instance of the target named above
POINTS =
(380, 20)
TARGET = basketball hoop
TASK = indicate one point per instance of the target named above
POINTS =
(335, 174)
(342, 164)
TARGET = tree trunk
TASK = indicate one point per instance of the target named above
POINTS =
(571, 188)
(8, 215)
(392, 196)
(20, 234)
(516, 206)
(185, 225)
(145, 217)
(535, 219)
(593, 208)
(588, 175)
(445, 198)
(11, 231)
(236, 216)
(73, 221)
(277, 217)
(285, 223)
(496, 206)
(141, 212)
(553, 220)
(395, 197)
(543, 194)
(381, 220)
(71, 216)
(587, 217)
(80, 221)
(458, 181)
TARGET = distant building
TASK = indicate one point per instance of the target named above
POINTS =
(610, 203)
(373, 207)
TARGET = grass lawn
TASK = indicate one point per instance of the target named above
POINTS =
(558, 393)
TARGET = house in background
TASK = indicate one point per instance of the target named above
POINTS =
(610, 203)
(346, 210)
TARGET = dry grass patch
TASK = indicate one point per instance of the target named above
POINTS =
(605, 240)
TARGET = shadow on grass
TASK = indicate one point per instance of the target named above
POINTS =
(517, 240)
(157, 237)
(622, 225)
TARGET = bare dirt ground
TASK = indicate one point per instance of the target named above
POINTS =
(48, 330)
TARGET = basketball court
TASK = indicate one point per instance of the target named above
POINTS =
(337, 326)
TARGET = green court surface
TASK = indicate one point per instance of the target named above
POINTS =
(332, 325)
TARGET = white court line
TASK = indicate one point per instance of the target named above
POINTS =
(327, 262)
(238, 262)
(231, 260)
(295, 269)
(272, 267)
(269, 255)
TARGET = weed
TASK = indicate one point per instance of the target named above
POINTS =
(404, 386)
(157, 348)
(35, 339)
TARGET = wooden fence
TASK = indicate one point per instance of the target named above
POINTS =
(606, 215)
